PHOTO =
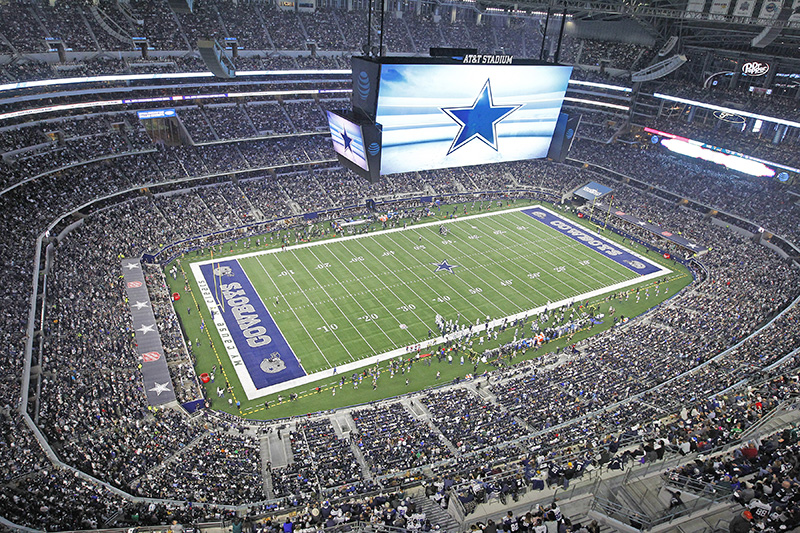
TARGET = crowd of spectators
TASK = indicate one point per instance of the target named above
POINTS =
(384, 436)
(323, 465)
(268, 118)
(761, 476)
(335, 463)
(85, 29)
(230, 119)
(218, 467)
(376, 509)
(469, 423)
(180, 360)
(715, 132)
(59, 500)
(651, 384)
(761, 201)
(610, 55)
(737, 98)
(394, 441)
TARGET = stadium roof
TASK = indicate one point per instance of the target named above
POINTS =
(697, 29)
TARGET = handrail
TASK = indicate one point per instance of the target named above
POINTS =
(695, 486)
(643, 522)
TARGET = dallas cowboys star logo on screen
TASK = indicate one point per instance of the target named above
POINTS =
(347, 140)
(479, 121)
(444, 265)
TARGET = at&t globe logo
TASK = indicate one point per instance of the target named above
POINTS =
(373, 149)
(363, 85)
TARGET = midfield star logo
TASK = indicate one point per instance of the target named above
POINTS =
(444, 266)
(478, 121)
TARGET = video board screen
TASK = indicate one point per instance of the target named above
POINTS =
(456, 114)
(731, 159)
(348, 139)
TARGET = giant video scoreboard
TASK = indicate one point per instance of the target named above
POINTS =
(427, 113)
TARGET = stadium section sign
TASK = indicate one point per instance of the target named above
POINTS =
(155, 113)
(592, 191)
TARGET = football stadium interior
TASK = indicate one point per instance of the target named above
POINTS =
(425, 265)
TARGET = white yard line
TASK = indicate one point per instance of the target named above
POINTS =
(491, 272)
(440, 280)
(368, 235)
(566, 250)
(544, 259)
(264, 268)
(333, 300)
(424, 345)
(443, 279)
(387, 287)
(368, 290)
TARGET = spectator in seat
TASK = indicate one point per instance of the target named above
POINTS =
(741, 523)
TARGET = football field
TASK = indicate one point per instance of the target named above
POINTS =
(292, 316)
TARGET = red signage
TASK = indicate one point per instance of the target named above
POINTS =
(149, 357)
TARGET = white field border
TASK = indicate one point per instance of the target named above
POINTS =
(241, 370)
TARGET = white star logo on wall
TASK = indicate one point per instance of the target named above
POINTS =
(159, 388)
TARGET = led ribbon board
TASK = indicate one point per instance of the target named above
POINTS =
(737, 161)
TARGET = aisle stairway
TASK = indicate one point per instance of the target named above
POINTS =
(437, 515)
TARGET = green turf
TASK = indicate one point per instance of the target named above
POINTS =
(350, 299)
(402, 288)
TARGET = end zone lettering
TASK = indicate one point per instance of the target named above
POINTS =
(260, 355)
(245, 315)
(588, 239)
(620, 255)
(484, 59)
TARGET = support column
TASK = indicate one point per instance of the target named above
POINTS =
(780, 131)
(769, 77)
(737, 71)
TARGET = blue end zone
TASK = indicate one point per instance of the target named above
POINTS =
(263, 350)
(600, 245)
